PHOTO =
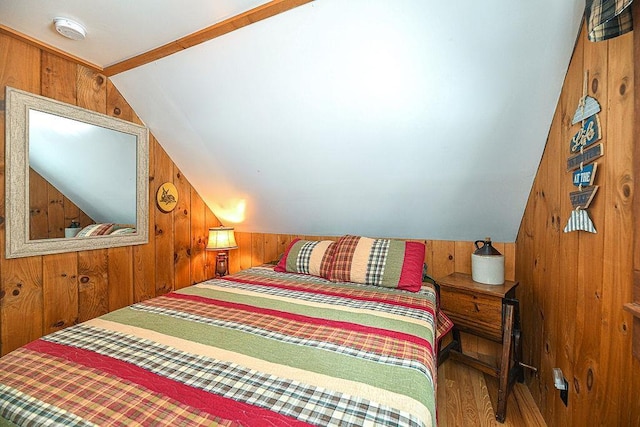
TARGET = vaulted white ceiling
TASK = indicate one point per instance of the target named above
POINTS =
(411, 118)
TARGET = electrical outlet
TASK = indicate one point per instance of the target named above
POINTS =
(561, 384)
(564, 395)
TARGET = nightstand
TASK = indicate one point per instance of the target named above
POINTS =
(491, 312)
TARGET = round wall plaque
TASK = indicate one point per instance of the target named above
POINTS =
(167, 197)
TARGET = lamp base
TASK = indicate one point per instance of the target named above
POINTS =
(222, 264)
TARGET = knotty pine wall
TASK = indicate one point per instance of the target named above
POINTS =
(573, 285)
(51, 211)
(41, 294)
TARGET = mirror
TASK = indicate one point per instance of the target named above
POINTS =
(75, 179)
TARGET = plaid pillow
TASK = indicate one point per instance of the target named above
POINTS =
(95, 230)
(123, 230)
(380, 262)
(312, 257)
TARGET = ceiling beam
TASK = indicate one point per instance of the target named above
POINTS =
(48, 48)
(259, 13)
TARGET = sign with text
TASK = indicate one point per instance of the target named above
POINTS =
(585, 176)
(587, 156)
(583, 198)
(587, 135)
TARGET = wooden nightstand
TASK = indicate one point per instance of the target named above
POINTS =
(491, 312)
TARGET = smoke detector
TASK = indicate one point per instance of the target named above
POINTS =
(69, 28)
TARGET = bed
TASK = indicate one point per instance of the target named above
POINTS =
(264, 346)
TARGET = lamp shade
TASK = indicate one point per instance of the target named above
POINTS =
(221, 238)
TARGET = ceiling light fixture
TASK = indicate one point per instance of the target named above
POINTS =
(69, 29)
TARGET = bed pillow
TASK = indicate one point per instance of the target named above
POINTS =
(123, 230)
(95, 230)
(381, 262)
(312, 257)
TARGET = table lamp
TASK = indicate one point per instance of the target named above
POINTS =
(221, 239)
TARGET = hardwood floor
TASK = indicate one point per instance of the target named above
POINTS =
(467, 397)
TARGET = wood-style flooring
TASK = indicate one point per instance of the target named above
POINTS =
(467, 397)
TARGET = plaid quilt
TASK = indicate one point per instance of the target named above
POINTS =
(255, 348)
(607, 19)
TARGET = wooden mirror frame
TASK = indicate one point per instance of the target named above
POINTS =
(18, 243)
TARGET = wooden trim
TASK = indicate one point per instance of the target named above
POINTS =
(47, 48)
(259, 13)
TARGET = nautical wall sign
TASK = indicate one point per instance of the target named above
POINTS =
(582, 162)
(587, 107)
(585, 176)
(587, 156)
(579, 221)
(583, 198)
(587, 135)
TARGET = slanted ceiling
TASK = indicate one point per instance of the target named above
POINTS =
(404, 118)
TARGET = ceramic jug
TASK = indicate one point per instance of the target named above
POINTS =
(487, 263)
(486, 248)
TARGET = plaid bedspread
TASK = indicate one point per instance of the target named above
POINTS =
(255, 348)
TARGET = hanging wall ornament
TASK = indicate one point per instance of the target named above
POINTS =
(583, 142)
(581, 162)
(585, 156)
(587, 107)
(579, 220)
(585, 176)
(587, 135)
(582, 198)
(167, 197)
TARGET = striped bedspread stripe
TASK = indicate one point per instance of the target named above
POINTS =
(257, 348)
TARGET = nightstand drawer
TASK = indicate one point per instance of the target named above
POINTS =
(475, 313)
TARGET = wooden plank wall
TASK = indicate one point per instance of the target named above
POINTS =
(573, 285)
(635, 385)
(42, 294)
(51, 211)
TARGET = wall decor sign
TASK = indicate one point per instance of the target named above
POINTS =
(167, 197)
(582, 198)
(587, 107)
(584, 152)
(587, 135)
(585, 176)
(585, 157)
(579, 220)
